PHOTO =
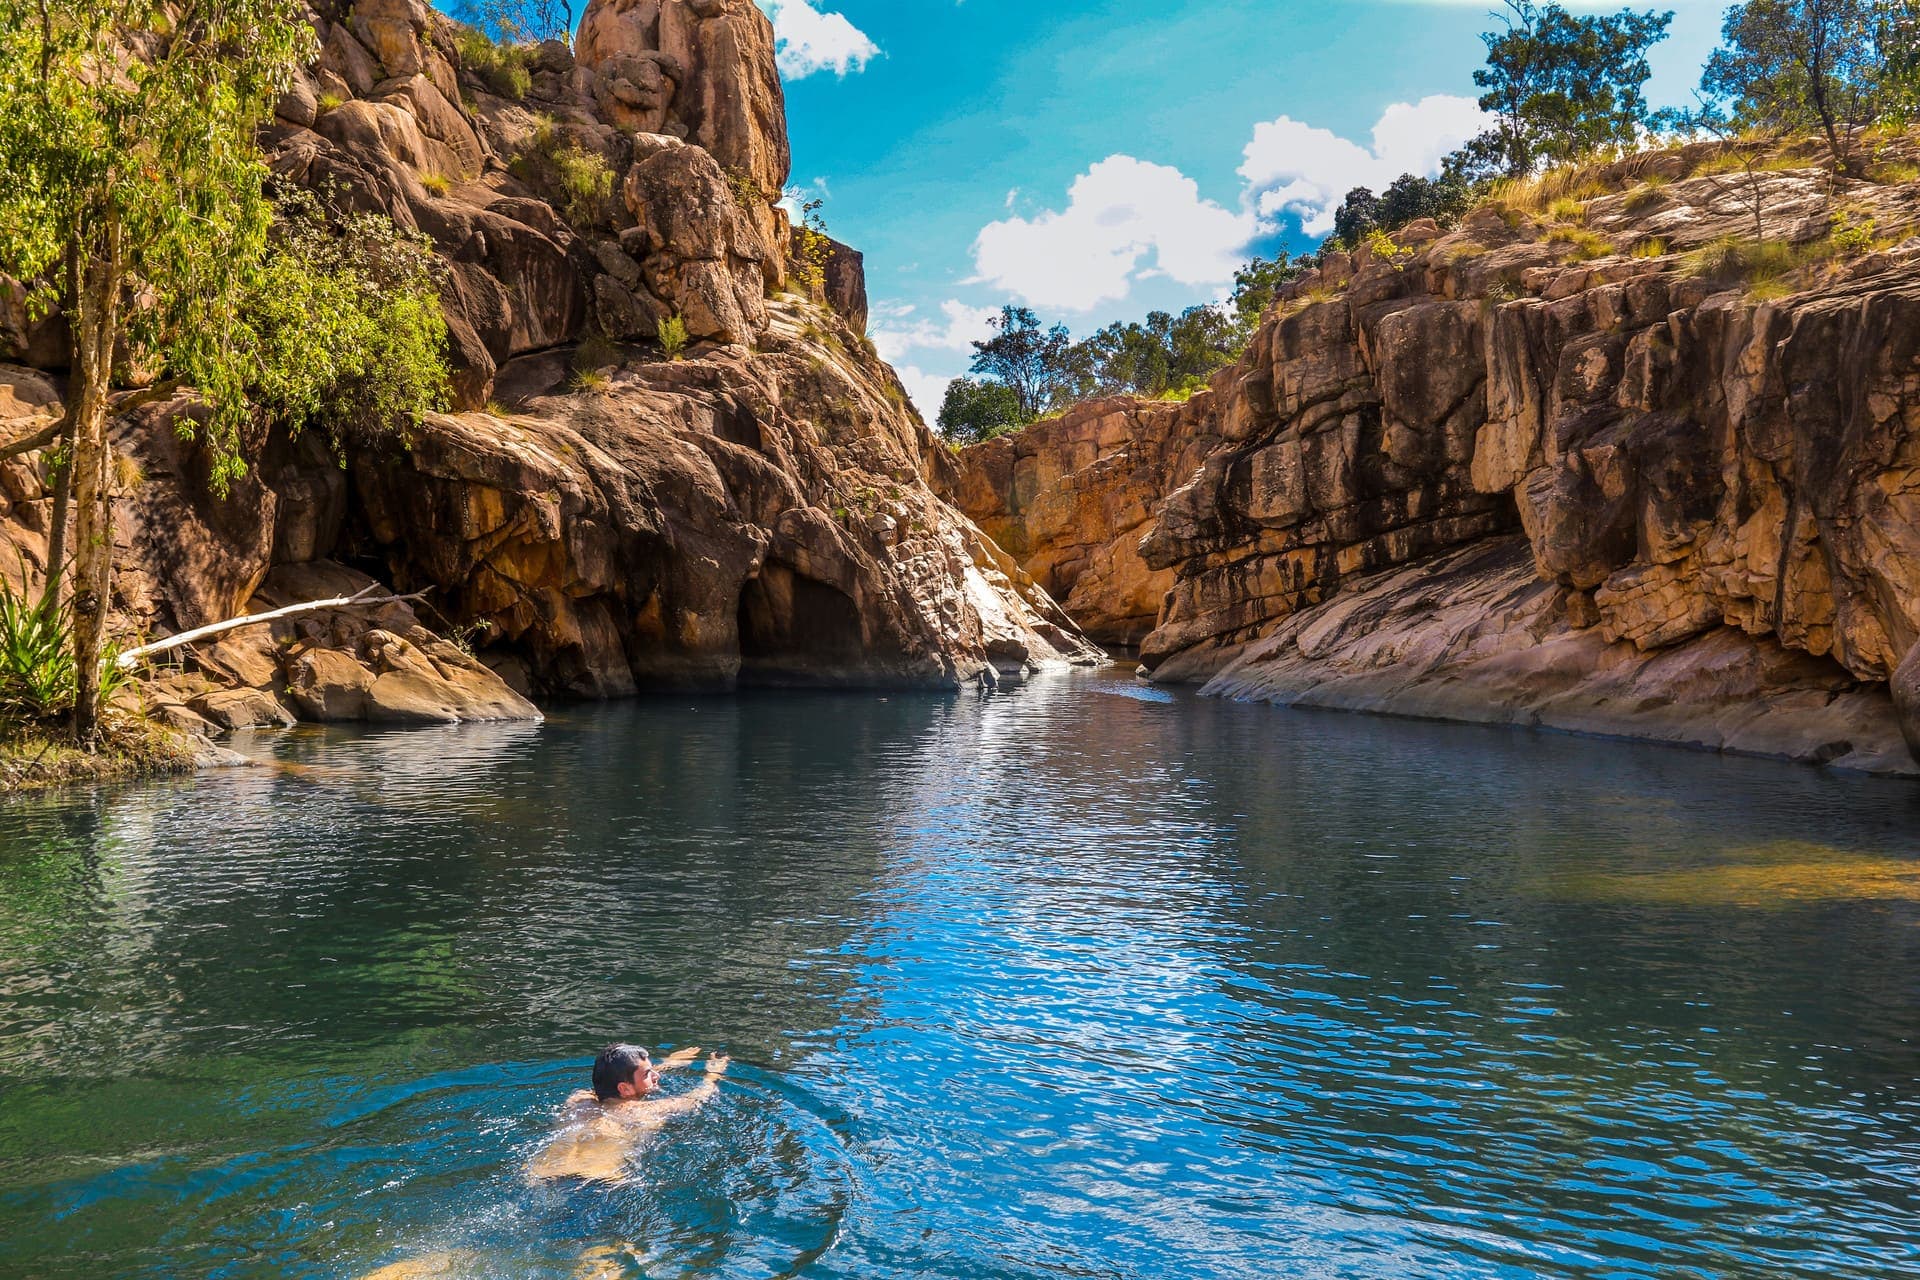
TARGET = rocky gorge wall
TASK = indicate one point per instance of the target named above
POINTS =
(592, 518)
(1579, 472)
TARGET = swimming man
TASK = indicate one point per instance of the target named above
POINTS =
(598, 1131)
(601, 1126)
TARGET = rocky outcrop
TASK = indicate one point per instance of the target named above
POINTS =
(1704, 476)
(1072, 498)
(594, 517)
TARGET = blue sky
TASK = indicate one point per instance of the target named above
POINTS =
(1097, 159)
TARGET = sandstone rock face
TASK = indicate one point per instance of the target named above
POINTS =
(718, 55)
(1072, 498)
(701, 523)
(1695, 475)
(593, 518)
(1906, 699)
(698, 253)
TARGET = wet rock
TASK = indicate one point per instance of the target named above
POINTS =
(1906, 699)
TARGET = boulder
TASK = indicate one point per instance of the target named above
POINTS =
(241, 709)
(697, 251)
(727, 98)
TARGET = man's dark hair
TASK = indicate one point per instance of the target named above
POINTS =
(614, 1067)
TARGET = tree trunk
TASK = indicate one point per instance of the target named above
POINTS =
(97, 326)
(57, 533)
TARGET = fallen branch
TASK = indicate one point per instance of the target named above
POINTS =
(363, 600)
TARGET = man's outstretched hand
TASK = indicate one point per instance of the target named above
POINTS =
(680, 1058)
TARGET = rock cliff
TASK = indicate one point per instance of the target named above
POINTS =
(594, 517)
(1628, 469)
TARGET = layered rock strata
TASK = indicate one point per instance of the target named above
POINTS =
(1711, 486)
(594, 517)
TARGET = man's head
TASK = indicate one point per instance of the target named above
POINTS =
(623, 1071)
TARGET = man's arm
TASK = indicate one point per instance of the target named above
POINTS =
(679, 1058)
(695, 1098)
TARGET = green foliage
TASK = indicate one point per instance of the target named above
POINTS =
(1258, 283)
(1560, 87)
(1586, 245)
(152, 173)
(1651, 247)
(746, 192)
(586, 184)
(1830, 65)
(1852, 234)
(673, 336)
(341, 326)
(1030, 360)
(329, 102)
(1381, 245)
(812, 246)
(1740, 259)
(437, 184)
(1648, 195)
(1162, 355)
(1567, 209)
(1408, 199)
(36, 659)
(979, 410)
(502, 67)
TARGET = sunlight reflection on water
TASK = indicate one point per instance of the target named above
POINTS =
(1044, 983)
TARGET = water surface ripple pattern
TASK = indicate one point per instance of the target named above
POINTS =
(1067, 981)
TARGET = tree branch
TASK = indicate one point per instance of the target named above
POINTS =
(363, 600)
(58, 427)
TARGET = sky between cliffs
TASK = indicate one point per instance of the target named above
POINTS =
(1098, 159)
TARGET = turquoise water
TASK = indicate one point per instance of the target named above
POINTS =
(1080, 980)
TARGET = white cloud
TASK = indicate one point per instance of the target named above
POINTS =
(927, 391)
(807, 40)
(1118, 213)
(1296, 168)
(899, 329)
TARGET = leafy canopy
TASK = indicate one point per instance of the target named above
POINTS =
(1561, 86)
(1025, 357)
(127, 144)
(974, 411)
(1822, 64)
(341, 325)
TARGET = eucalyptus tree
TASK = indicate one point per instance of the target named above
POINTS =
(1831, 65)
(1561, 85)
(135, 200)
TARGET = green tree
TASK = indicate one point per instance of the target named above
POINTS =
(1561, 86)
(1830, 65)
(1024, 356)
(1358, 214)
(133, 196)
(974, 411)
(1257, 284)
(341, 327)
(520, 21)
(1409, 198)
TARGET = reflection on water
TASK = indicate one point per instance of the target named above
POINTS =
(1785, 873)
(1080, 980)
